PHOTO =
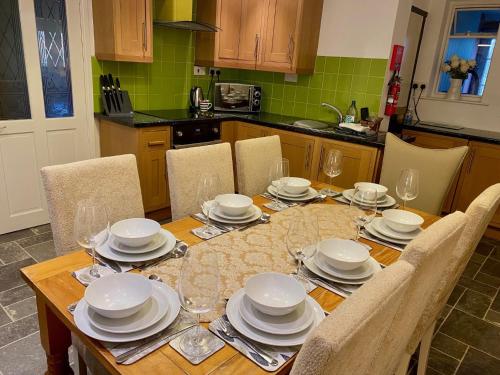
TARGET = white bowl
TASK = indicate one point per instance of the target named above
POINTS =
(119, 295)
(380, 189)
(296, 185)
(402, 221)
(135, 232)
(343, 254)
(274, 293)
(234, 204)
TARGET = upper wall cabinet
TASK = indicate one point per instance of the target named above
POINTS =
(123, 30)
(271, 35)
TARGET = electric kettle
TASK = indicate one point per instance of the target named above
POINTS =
(195, 97)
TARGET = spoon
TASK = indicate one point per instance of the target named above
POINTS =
(263, 219)
(155, 278)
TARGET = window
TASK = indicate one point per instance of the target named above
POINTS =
(472, 36)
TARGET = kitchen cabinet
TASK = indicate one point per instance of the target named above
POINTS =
(359, 163)
(123, 30)
(149, 145)
(246, 131)
(436, 141)
(270, 35)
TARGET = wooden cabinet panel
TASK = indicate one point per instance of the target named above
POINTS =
(130, 24)
(229, 16)
(247, 131)
(436, 141)
(251, 29)
(482, 169)
(153, 177)
(359, 163)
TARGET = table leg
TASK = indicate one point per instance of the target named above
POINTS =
(55, 338)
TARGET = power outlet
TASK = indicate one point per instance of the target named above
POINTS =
(199, 70)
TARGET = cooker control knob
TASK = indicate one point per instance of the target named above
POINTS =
(179, 133)
(256, 94)
(216, 130)
(256, 102)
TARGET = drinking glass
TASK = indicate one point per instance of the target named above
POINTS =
(407, 186)
(209, 187)
(199, 289)
(332, 167)
(279, 172)
(364, 202)
(302, 239)
(91, 227)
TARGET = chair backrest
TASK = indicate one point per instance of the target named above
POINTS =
(479, 214)
(253, 159)
(437, 169)
(346, 341)
(185, 166)
(114, 180)
(429, 253)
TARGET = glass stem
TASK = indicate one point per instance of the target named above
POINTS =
(299, 265)
(358, 232)
(404, 204)
(94, 262)
(196, 339)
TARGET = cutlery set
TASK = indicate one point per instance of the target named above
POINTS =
(115, 101)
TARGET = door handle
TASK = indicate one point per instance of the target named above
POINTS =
(290, 48)
(156, 143)
(255, 52)
(308, 157)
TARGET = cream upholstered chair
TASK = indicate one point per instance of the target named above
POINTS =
(114, 179)
(437, 169)
(479, 214)
(185, 166)
(346, 341)
(429, 253)
(253, 159)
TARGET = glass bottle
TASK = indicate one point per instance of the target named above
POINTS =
(351, 116)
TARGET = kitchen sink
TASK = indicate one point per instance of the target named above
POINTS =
(311, 124)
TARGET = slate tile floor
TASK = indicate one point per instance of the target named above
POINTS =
(467, 339)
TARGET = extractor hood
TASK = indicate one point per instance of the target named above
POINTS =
(178, 14)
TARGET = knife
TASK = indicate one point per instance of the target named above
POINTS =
(110, 93)
(105, 262)
(119, 89)
(105, 92)
(113, 92)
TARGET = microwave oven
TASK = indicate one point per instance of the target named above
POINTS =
(237, 97)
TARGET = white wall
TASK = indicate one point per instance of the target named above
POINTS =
(357, 28)
(480, 116)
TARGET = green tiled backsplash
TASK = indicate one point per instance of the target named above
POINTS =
(165, 83)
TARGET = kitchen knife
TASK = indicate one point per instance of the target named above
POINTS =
(110, 93)
(114, 93)
(105, 93)
(118, 86)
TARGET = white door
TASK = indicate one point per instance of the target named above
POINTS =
(43, 115)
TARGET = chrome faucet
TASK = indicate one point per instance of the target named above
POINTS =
(332, 107)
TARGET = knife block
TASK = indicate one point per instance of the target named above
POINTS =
(125, 105)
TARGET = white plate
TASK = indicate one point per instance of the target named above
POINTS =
(286, 194)
(251, 211)
(158, 240)
(387, 202)
(311, 194)
(349, 193)
(107, 252)
(311, 266)
(233, 314)
(151, 313)
(255, 216)
(371, 229)
(381, 227)
(84, 325)
(296, 321)
(362, 272)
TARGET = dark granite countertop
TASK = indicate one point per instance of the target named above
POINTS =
(151, 118)
(465, 133)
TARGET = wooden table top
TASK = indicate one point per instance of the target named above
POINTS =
(54, 285)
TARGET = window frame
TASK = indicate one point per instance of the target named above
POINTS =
(449, 14)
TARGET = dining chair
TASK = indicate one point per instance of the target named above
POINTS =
(437, 169)
(114, 180)
(479, 214)
(429, 253)
(185, 166)
(253, 158)
(346, 341)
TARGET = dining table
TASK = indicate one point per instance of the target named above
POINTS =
(56, 288)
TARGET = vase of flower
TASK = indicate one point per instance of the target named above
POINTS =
(458, 69)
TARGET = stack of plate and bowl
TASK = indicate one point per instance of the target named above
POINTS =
(384, 200)
(136, 240)
(274, 309)
(234, 209)
(396, 226)
(125, 307)
(343, 262)
(294, 189)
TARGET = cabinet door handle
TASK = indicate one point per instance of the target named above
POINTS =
(308, 157)
(255, 52)
(156, 143)
(291, 46)
(321, 159)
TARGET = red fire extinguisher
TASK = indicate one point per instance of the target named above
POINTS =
(393, 94)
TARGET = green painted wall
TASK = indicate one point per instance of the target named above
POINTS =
(165, 83)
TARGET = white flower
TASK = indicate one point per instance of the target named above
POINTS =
(464, 68)
(446, 68)
(455, 63)
(455, 58)
(472, 63)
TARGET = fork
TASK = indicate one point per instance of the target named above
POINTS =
(229, 331)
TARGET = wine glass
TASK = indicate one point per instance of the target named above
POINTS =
(407, 186)
(91, 227)
(279, 172)
(209, 187)
(302, 239)
(199, 288)
(332, 167)
(364, 202)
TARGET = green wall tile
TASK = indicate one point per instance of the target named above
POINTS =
(330, 81)
(289, 93)
(346, 65)
(316, 81)
(300, 109)
(374, 85)
(276, 105)
(359, 83)
(278, 91)
(362, 66)
(314, 96)
(344, 82)
(378, 67)
(332, 64)
(319, 66)
(301, 94)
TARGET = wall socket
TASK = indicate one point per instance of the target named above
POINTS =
(289, 77)
(199, 71)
